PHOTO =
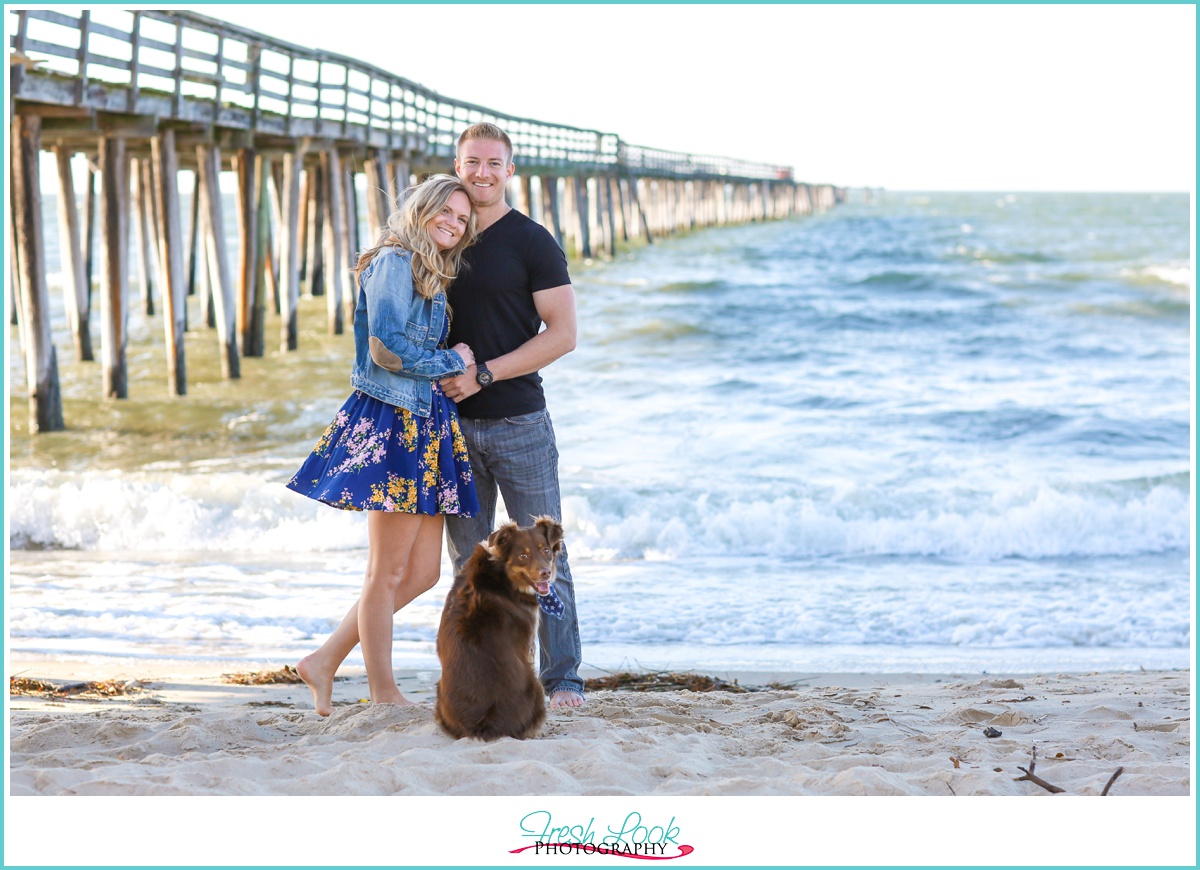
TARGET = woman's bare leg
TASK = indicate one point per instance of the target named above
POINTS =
(420, 575)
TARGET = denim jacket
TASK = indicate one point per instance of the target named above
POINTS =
(396, 335)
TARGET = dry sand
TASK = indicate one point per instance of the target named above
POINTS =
(188, 733)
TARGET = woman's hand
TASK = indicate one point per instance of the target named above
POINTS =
(465, 352)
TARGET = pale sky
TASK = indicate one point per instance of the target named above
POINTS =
(939, 97)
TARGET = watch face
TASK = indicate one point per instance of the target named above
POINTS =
(484, 377)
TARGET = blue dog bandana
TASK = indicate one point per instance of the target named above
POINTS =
(551, 604)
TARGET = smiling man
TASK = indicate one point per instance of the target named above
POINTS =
(514, 279)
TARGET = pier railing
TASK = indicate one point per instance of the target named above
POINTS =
(188, 67)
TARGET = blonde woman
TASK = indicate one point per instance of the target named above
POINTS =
(395, 448)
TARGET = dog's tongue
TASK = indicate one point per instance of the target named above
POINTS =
(543, 588)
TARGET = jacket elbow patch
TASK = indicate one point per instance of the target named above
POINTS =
(383, 357)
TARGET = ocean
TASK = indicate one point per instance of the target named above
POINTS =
(926, 432)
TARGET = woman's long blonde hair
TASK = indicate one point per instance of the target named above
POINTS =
(433, 268)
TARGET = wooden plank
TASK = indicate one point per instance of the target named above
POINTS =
(150, 42)
(114, 241)
(254, 82)
(208, 158)
(165, 164)
(178, 78)
(215, 58)
(53, 49)
(75, 295)
(111, 32)
(135, 59)
(54, 18)
(289, 248)
(219, 61)
(291, 92)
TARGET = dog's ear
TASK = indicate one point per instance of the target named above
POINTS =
(500, 540)
(552, 530)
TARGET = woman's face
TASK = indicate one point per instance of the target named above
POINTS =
(446, 228)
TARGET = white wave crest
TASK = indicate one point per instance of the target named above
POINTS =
(1038, 523)
(169, 512)
(241, 512)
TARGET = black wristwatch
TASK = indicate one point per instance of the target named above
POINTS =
(483, 376)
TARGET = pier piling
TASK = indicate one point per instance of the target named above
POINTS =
(76, 301)
(114, 240)
(221, 291)
(41, 361)
(170, 258)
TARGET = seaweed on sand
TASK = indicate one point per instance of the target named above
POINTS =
(91, 689)
(661, 681)
(286, 674)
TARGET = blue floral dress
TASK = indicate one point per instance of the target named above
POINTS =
(377, 457)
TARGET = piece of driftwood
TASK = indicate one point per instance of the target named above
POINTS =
(1037, 780)
(1030, 776)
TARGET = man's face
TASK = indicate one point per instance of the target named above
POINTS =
(484, 166)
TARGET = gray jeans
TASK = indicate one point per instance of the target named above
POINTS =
(518, 457)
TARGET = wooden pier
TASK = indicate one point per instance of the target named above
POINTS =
(146, 95)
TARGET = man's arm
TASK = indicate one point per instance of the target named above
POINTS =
(556, 307)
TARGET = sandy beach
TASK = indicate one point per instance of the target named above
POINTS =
(709, 767)
(188, 732)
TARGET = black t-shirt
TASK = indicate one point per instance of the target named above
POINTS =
(493, 310)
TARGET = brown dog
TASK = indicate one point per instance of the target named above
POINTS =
(489, 688)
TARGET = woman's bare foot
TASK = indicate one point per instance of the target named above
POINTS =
(319, 683)
(566, 699)
(397, 699)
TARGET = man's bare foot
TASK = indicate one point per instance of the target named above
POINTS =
(319, 683)
(566, 698)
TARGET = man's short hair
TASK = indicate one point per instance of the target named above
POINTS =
(487, 131)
